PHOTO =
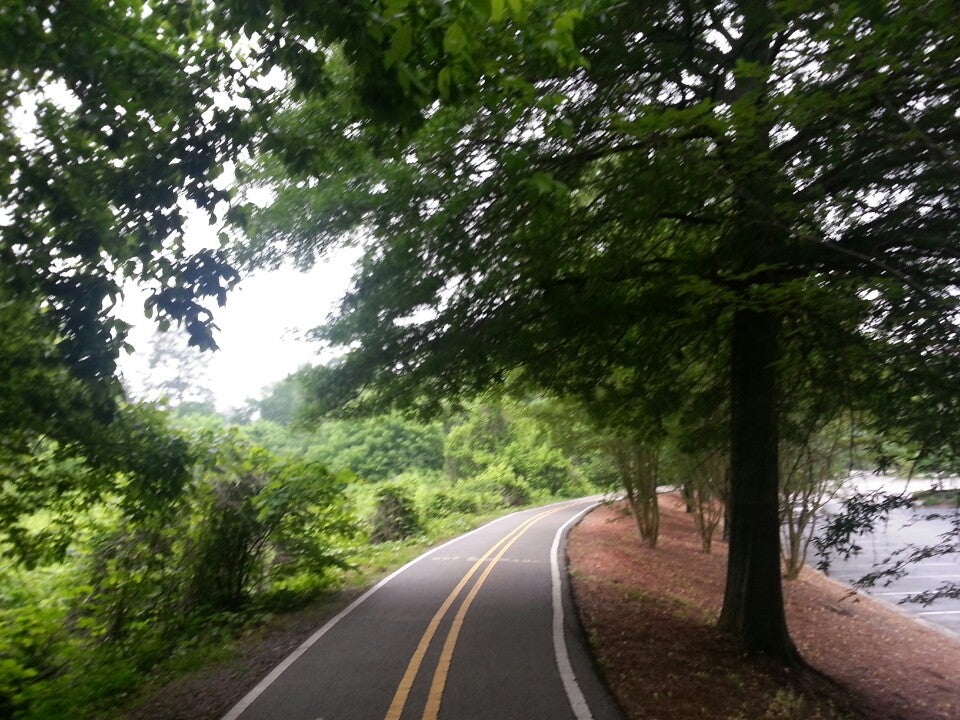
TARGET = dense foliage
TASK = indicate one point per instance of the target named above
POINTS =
(100, 589)
(591, 195)
(714, 229)
(112, 123)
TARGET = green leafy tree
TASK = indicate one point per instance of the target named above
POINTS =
(703, 476)
(502, 432)
(566, 425)
(262, 518)
(109, 118)
(812, 470)
(587, 185)
(396, 516)
(639, 464)
(380, 447)
(282, 401)
(698, 448)
(115, 118)
(137, 463)
(58, 443)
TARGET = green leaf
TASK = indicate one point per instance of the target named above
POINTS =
(400, 45)
(455, 40)
(444, 80)
(564, 23)
(541, 183)
(394, 8)
(497, 8)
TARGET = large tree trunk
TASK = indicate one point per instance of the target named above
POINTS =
(753, 600)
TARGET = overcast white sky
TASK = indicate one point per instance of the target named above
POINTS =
(261, 326)
(261, 330)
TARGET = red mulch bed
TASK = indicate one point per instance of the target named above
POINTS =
(650, 616)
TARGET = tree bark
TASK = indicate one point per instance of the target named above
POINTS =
(753, 609)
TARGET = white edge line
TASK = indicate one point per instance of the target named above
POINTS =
(578, 702)
(247, 700)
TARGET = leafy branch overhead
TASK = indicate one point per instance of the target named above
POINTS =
(593, 197)
(111, 127)
(612, 184)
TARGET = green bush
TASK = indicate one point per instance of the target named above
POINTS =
(498, 486)
(135, 575)
(445, 502)
(264, 521)
(379, 448)
(515, 493)
(227, 548)
(542, 467)
(396, 515)
(31, 640)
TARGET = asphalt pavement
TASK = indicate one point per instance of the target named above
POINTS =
(906, 530)
(480, 627)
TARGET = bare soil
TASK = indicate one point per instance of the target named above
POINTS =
(650, 617)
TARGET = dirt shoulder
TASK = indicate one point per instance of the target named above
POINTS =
(650, 616)
(209, 692)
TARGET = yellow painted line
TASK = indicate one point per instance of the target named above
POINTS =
(413, 667)
(432, 709)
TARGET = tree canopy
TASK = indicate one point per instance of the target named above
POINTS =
(592, 197)
(540, 211)
(587, 193)
(115, 119)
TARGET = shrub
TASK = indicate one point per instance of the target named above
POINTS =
(451, 502)
(515, 492)
(396, 516)
(33, 635)
(227, 547)
(135, 578)
(499, 486)
(266, 520)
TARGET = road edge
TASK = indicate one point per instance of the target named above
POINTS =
(251, 696)
(611, 706)
(578, 703)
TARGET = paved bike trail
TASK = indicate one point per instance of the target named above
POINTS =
(480, 627)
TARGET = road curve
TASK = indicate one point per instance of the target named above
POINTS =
(479, 628)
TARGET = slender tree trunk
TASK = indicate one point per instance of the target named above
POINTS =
(753, 600)
(639, 470)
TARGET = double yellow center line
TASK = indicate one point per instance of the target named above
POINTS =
(432, 709)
